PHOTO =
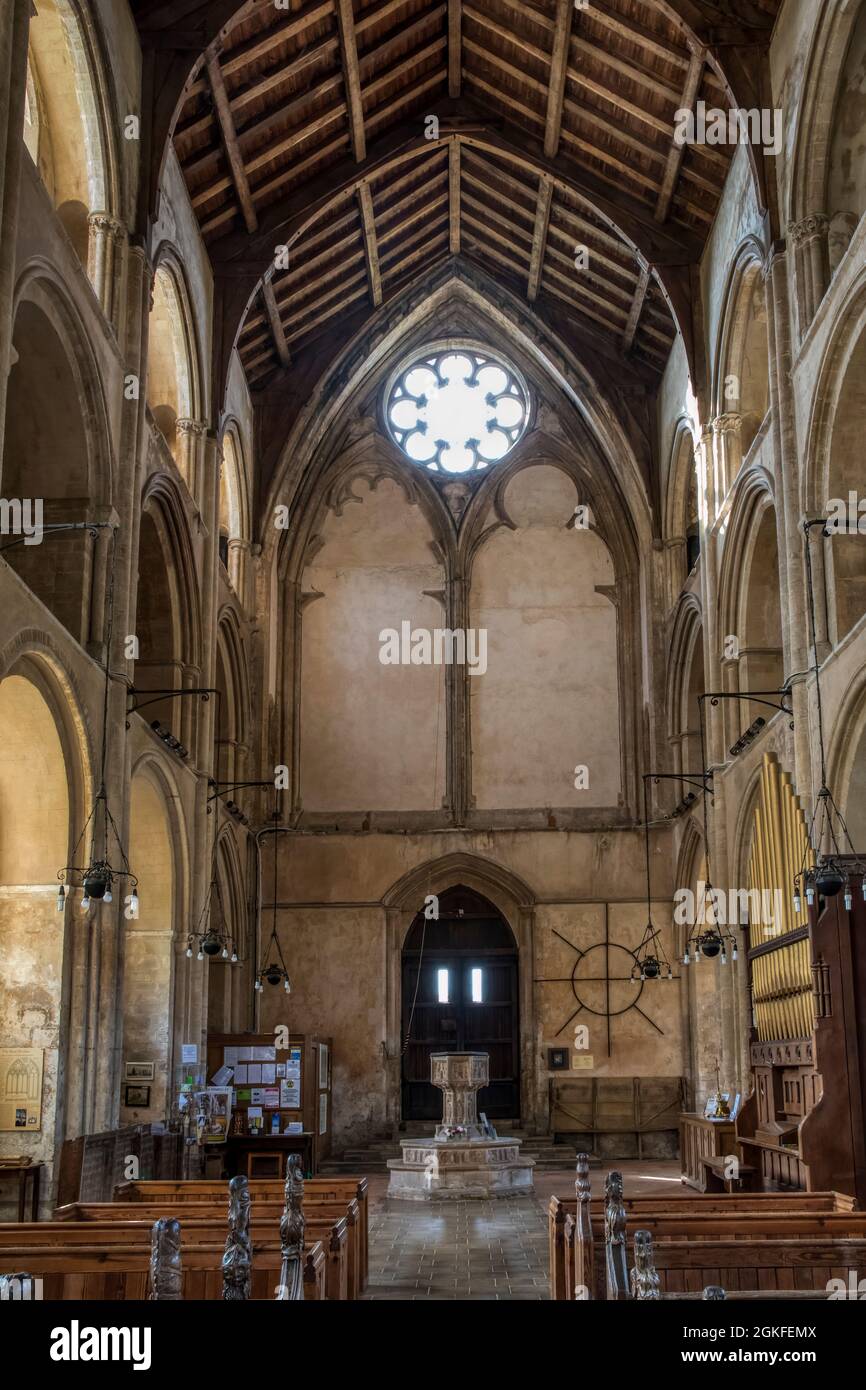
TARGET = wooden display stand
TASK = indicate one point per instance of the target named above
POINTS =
(264, 1154)
(701, 1138)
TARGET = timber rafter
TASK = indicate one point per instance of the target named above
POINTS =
(555, 133)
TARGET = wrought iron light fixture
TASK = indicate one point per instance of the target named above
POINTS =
(212, 938)
(274, 971)
(98, 876)
(651, 961)
(841, 869)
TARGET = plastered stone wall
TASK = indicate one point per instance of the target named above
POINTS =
(548, 701)
(345, 966)
(372, 735)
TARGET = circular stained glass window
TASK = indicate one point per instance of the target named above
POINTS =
(457, 410)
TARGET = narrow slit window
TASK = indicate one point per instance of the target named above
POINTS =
(477, 985)
(442, 985)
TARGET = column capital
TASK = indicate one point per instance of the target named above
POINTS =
(196, 428)
(815, 224)
(104, 222)
(728, 423)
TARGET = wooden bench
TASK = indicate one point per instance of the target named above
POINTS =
(572, 1263)
(717, 1178)
(336, 1224)
(742, 1252)
(326, 1189)
(109, 1270)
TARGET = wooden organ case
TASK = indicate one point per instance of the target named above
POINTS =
(803, 1124)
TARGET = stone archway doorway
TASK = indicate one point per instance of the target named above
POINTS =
(460, 993)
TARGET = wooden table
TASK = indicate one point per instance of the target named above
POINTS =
(702, 1138)
(240, 1149)
(23, 1171)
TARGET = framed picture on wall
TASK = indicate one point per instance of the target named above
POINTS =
(139, 1071)
(323, 1066)
(557, 1059)
(136, 1097)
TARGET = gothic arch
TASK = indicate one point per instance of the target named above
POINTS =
(808, 187)
(57, 450)
(235, 505)
(749, 582)
(681, 526)
(73, 142)
(352, 379)
(159, 854)
(232, 723)
(741, 360)
(175, 375)
(831, 468)
(685, 680)
(516, 901)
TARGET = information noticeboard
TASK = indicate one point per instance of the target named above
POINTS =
(21, 1088)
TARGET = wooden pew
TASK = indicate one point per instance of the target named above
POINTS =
(329, 1189)
(113, 1271)
(686, 1255)
(572, 1260)
(338, 1226)
(773, 1267)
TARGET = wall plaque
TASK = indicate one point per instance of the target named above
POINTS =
(21, 1088)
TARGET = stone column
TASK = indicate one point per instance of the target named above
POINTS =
(105, 241)
(237, 567)
(94, 1031)
(14, 34)
(817, 551)
(728, 452)
(812, 262)
(787, 473)
(190, 437)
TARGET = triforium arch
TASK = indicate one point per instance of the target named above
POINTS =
(235, 505)
(168, 619)
(832, 475)
(685, 682)
(513, 897)
(820, 229)
(70, 129)
(175, 386)
(229, 983)
(741, 391)
(751, 630)
(57, 449)
(846, 760)
(232, 720)
(681, 533)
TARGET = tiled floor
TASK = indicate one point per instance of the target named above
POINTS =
(478, 1250)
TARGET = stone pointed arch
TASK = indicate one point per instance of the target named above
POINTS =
(516, 900)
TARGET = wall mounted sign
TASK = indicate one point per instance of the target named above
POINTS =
(21, 1088)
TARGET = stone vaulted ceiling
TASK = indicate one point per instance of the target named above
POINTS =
(305, 125)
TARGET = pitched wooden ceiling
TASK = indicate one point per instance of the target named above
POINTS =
(588, 97)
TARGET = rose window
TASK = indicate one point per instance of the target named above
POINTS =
(456, 411)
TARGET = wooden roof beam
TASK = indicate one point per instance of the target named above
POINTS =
(352, 78)
(637, 304)
(454, 196)
(558, 68)
(455, 56)
(675, 158)
(230, 140)
(539, 236)
(276, 323)
(371, 249)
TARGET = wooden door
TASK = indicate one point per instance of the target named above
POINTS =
(460, 994)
